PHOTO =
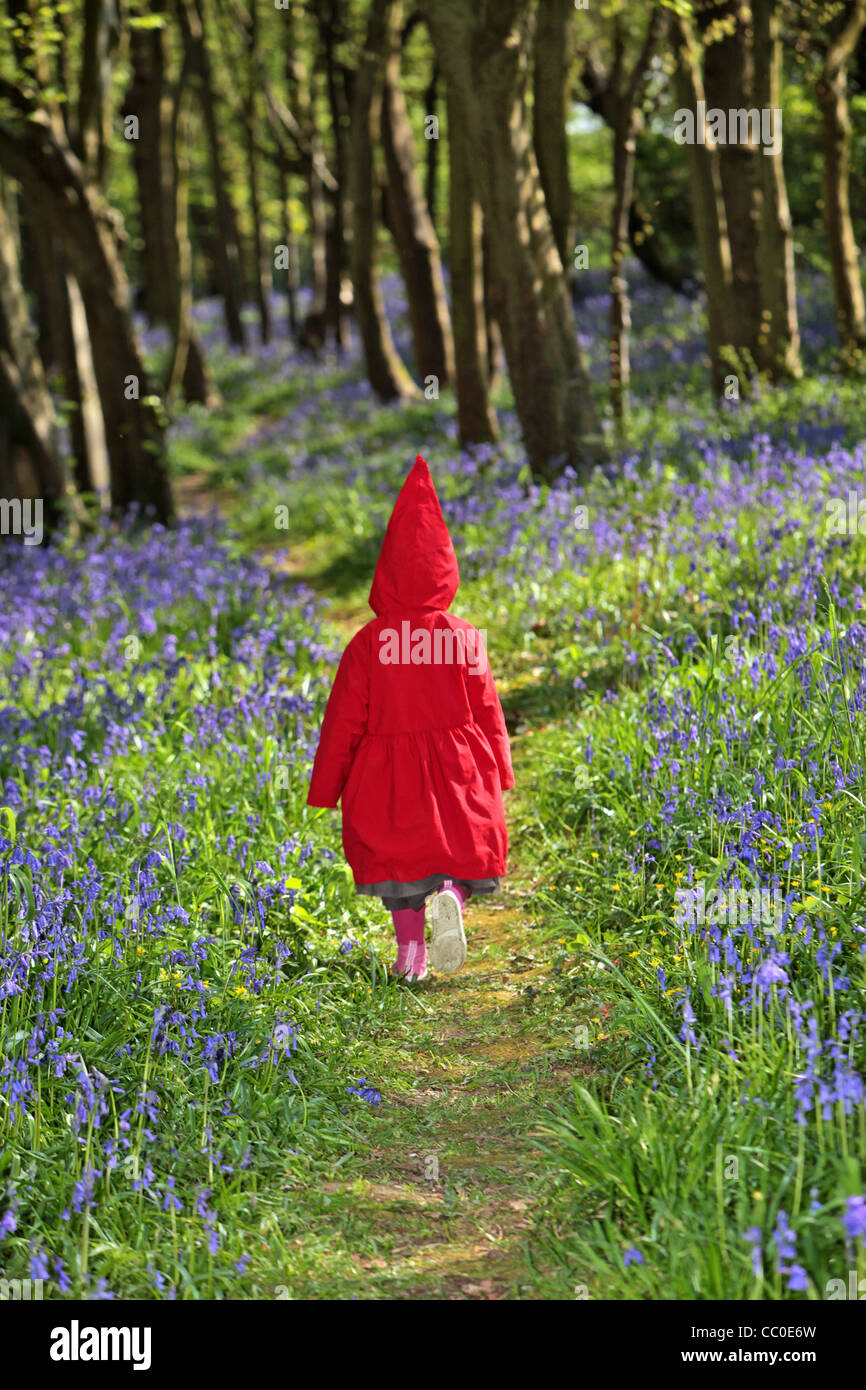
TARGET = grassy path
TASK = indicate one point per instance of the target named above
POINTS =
(442, 1203)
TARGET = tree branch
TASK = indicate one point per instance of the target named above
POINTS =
(840, 51)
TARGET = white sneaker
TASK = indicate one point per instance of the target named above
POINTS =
(448, 939)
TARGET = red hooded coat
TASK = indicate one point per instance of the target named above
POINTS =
(415, 742)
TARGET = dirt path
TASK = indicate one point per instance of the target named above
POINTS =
(443, 1205)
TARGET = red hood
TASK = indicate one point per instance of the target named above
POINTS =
(417, 567)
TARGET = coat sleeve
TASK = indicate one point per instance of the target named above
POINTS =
(487, 713)
(344, 724)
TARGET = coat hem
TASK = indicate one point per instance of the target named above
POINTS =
(383, 873)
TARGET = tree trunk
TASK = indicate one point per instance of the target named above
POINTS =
(300, 85)
(260, 280)
(89, 450)
(412, 229)
(24, 397)
(431, 178)
(729, 85)
(836, 147)
(551, 388)
(250, 104)
(493, 311)
(319, 229)
(476, 419)
(145, 98)
(779, 343)
(187, 370)
(227, 241)
(643, 238)
(289, 241)
(159, 160)
(624, 138)
(95, 477)
(101, 28)
(709, 209)
(39, 274)
(549, 113)
(339, 258)
(620, 308)
(65, 344)
(388, 376)
(134, 427)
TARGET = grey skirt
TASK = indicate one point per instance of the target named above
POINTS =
(396, 895)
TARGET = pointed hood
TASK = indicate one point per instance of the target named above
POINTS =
(417, 567)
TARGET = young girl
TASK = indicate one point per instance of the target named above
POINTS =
(414, 742)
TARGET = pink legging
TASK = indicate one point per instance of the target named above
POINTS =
(408, 925)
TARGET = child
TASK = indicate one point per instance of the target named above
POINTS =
(414, 742)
